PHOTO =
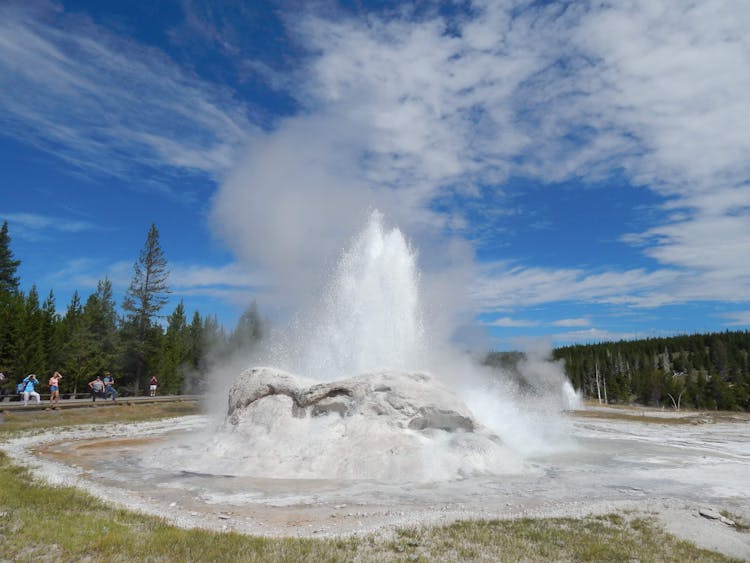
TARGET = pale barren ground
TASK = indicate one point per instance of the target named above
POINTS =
(659, 463)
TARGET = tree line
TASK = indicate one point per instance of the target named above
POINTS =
(92, 336)
(700, 371)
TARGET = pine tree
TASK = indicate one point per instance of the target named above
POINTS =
(174, 351)
(12, 314)
(194, 372)
(8, 265)
(11, 309)
(145, 297)
(50, 321)
(30, 353)
(73, 351)
(99, 320)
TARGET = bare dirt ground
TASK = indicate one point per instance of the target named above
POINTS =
(658, 463)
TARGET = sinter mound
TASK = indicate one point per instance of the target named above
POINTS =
(388, 425)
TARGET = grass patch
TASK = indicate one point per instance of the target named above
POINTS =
(602, 538)
(39, 522)
(645, 414)
(15, 422)
(43, 523)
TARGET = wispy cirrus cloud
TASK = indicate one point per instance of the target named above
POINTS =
(427, 117)
(504, 286)
(230, 283)
(737, 318)
(108, 104)
(34, 227)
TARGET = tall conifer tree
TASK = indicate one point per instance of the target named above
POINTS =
(145, 297)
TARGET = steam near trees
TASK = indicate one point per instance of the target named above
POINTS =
(701, 371)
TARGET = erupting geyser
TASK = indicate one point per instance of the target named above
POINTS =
(351, 395)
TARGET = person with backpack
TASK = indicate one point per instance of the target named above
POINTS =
(29, 383)
(152, 385)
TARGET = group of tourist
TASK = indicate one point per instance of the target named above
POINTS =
(27, 388)
(102, 387)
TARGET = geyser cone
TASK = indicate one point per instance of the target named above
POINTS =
(391, 426)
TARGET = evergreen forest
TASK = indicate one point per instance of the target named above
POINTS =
(93, 336)
(701, 371)
(698, 371)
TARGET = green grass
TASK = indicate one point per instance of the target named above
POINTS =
(39, 522)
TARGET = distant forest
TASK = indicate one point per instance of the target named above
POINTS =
(92, 336)
(701, 371)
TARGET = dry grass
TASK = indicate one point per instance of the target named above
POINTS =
(12, 422)
(648, 415)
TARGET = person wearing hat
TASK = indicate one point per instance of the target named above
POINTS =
(109, 385)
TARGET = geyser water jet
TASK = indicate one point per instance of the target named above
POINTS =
(369, 317)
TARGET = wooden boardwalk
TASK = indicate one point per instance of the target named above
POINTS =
(84, 401)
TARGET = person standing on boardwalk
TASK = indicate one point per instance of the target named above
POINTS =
(109, 385)
(152, 386)
(54, 387)
(97, 388)
(29, 382)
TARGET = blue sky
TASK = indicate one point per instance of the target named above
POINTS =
(575, 171)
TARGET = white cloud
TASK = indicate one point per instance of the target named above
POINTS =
(503, 286)
(511, 323)
(572, 322)
(33, 226)
(232, 283)
(229, 275)
(673, 76)
(105, 103)
(737, 318)
(83, 274)
(400, 114)
(35, 222)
